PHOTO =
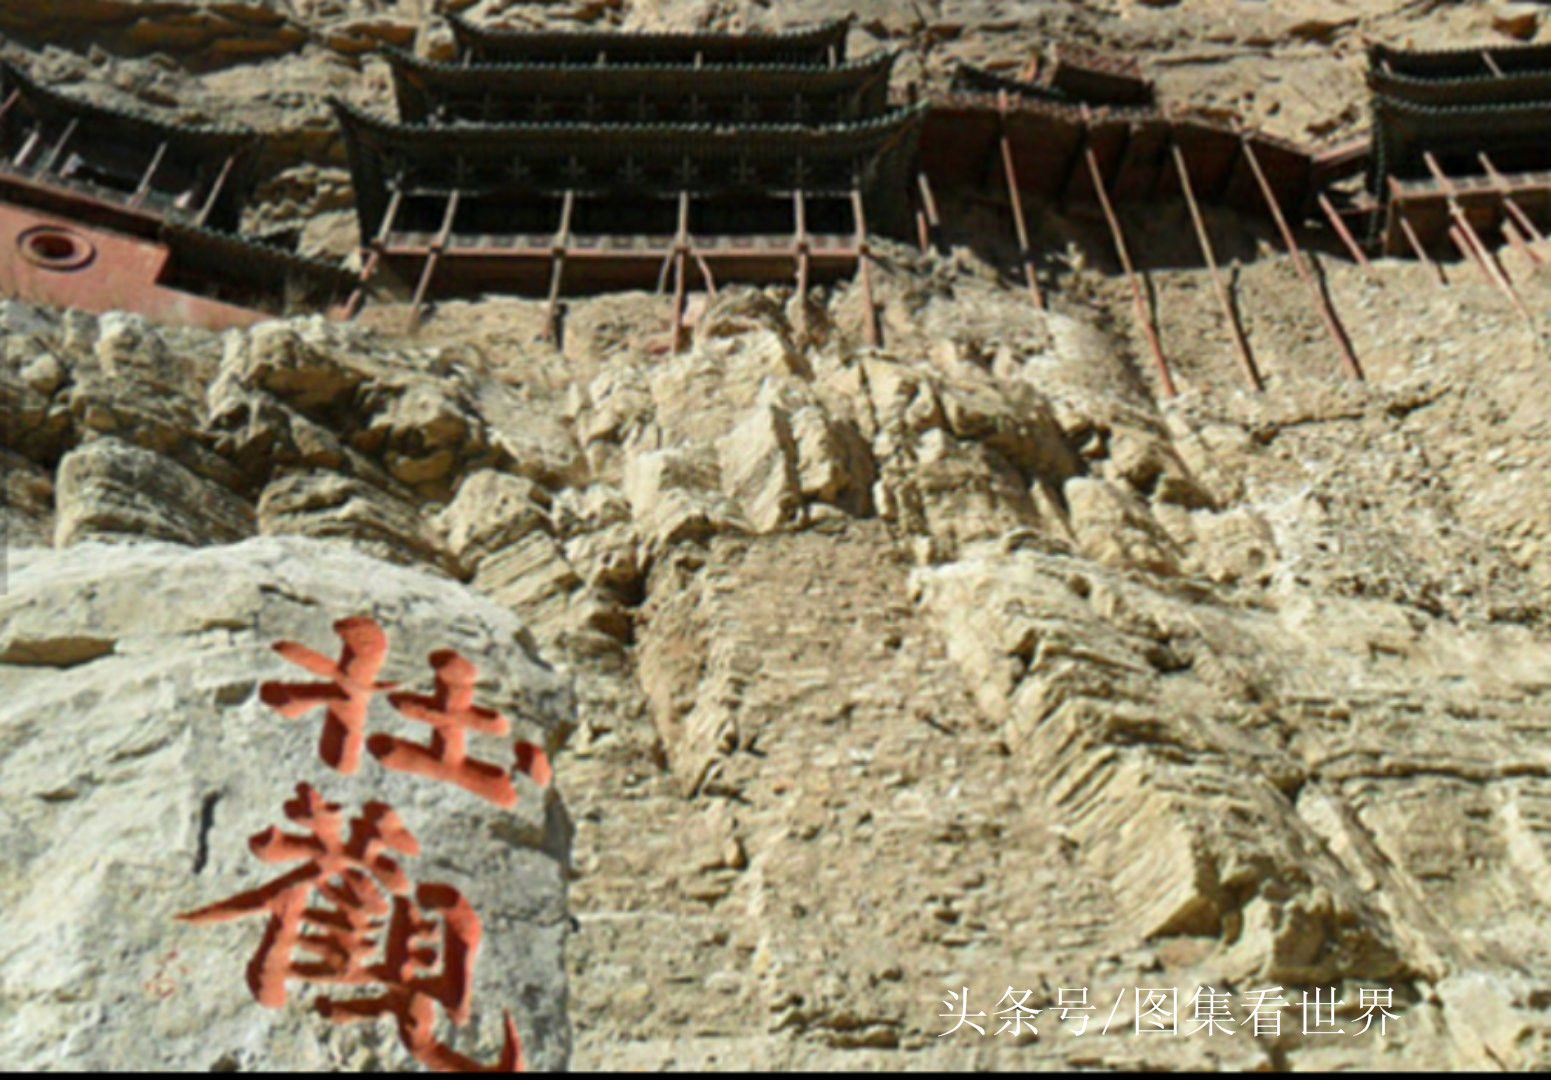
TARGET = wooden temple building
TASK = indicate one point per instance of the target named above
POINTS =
(550, 163)
(1461, 149)
(103, 209)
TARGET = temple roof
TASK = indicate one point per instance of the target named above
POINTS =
(215, 140)
(1404, 129)
(418, 83)
(377, 145)
(1464, 90)
(1459, 63)
(241, 258)
(809, 45)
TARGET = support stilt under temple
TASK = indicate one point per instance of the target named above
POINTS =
(1472, 240)
(144, 187)
(800, 254)
(1416, 246)
(864, 271)
(1344, 233)
(215, 189)
(1332, 324)
(416, 310)
(1143, 317)
(932, 239)
(1020, 224)
(680, 271)
(559, 248)
(1246, 358)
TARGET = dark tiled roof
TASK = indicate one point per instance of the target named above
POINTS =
(416, 80)
(214, 139)
(1460, 62)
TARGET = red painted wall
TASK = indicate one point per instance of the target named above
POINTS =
(51, 260)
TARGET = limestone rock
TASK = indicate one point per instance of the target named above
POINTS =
(140, 759)
(759, 469)
(674, 498)
(108, 487)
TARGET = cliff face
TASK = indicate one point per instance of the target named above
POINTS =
(960, 663)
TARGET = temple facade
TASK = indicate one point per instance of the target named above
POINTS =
(547, 164)
(1460, 153)
(104, 209)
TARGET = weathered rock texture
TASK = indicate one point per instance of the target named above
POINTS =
(138, 760)
(961, 662)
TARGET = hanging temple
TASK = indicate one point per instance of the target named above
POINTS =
(551, 164)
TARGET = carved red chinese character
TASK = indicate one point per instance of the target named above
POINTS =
(352, 873)
(347, 694)
(410, 994)
(451, 712)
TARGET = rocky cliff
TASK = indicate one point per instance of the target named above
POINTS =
(871, 674)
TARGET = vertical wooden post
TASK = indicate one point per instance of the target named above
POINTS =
(864, 270)
(800, 253)
(215, 189)
(559, 247)
(1015, 197)
(1332, 324)
(144, 187)
(1341, 230)
(1143, 318)
(1246, 358)
(431, 259)
(680, 255)
(929, 206)
(9, 103)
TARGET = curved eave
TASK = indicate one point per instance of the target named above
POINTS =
(831, 34)
(495, 137)
(252, 260)
(1399, 124)
(1458, 62)
(417, 82)
(1519, 86)
(212, 139)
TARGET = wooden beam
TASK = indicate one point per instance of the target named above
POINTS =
(1398, 208)
(558, 249)
(357, 298)
(390, 215)
(929, 205)
(1246, 358)
(1346, 237)
(800, 254)
(1520, 244)
(215, 189)
(1491, 64)
(1020, 225)
(680, 273)
(1509, 202)
(144, 187)
(59, 147)
(26, 151)
(10, 102)
(431, 259)
(1472, 239)
(1332, 324)
(864, 271)
(1143, 318)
